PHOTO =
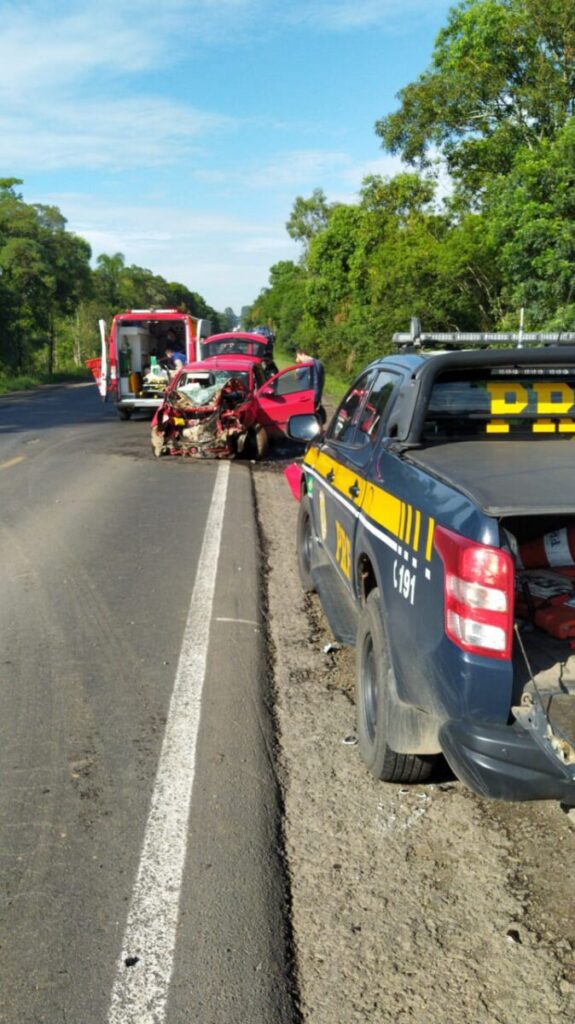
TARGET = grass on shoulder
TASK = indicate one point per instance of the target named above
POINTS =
(29, 381)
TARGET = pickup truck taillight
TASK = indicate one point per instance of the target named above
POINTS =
(479, 587)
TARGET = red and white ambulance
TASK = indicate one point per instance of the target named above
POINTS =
(129, 370)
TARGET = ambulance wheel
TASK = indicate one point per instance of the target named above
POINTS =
(305, 544)
(124, 414)
(373, 670)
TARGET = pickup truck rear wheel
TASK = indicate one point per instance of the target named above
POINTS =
(304, 544)
(372, 700)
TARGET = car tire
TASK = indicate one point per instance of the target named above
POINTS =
(158, 442)
(305, 544)
(124, 414)
(373, 668)
(260, 444)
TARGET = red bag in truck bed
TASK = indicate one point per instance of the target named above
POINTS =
(558, 617)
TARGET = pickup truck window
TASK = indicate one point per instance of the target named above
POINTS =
(343, 426)
(502, 403)
(376, 403)
(359, 414)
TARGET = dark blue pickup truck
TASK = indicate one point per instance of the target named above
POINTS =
(437, 525)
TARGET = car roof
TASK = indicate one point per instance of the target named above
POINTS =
(234, 361)
(258, 339)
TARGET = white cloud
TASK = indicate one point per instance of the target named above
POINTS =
(297, 169)
(343, 15)
(104, 134)
(224, 258)
(50, 50)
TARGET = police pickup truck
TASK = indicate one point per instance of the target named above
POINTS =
(437, 525)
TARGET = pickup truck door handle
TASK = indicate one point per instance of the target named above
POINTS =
(330, 477)
(354, 490)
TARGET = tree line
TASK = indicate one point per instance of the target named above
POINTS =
(51, 298)
(482, 221)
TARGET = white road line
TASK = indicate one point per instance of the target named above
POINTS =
(140, 991)
(12, 462)
(240, 622)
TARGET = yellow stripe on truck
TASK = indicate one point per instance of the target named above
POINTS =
(385, 509)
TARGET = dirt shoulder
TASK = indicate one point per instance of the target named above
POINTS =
(420, 904)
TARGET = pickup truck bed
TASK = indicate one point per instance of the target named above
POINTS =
(505, 478)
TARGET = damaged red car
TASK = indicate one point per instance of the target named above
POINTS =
(224, 407)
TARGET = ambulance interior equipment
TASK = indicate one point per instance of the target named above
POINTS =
(132, 369)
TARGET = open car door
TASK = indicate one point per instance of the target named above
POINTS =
(286, 394)
(103, 382)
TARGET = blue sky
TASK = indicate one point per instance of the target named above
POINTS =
(179, 132)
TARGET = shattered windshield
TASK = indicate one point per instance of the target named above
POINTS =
(201, 388)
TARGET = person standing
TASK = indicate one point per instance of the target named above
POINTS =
(317, 379)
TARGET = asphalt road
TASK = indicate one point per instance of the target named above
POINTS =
(109, 608)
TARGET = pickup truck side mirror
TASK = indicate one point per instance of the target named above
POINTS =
(268, 391)
(304, 427)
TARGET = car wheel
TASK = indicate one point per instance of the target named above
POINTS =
(158, 442)
(124, 414)
(373, 669)
(305, 544)
(260, 444)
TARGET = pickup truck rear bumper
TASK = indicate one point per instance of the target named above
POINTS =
(505, 762)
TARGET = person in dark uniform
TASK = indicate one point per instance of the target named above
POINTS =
(317, 379)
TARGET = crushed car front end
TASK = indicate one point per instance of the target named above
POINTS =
(206, 415)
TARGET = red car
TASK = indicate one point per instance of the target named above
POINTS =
(240, 343)
(224, 406)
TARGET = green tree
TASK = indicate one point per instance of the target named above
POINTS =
(45, 270)
(308, 217)
(530, 216)
(281, 305)
(502, 75)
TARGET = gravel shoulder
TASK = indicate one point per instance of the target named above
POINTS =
(412, 904)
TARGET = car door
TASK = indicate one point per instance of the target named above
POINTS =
(343, 464)
(102, 378)
(286, 394)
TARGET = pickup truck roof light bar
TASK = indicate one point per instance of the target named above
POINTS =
(418, 339)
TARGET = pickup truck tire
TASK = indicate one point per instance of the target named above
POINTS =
(304, 544)
(373, 669)
(124, 414)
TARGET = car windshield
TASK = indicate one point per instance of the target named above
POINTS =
(239, 347)
(201, 386)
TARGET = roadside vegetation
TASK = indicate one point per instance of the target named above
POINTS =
(51, 298)
(480, 224)
(482, 221)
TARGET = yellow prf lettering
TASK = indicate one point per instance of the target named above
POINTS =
(343, 550)
(507, 399)
(553, 397)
